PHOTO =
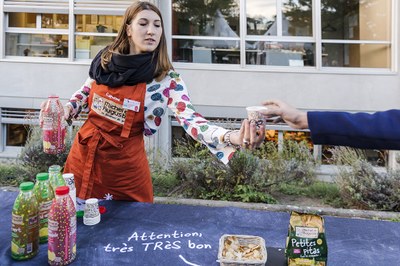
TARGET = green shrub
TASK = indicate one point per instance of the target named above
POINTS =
(363, 187)
(34, 159)
(329, 192)
(249, 176)
(13, 175)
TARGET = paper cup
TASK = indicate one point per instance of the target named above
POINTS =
(70, 182)
(253, 113)
(91, 215)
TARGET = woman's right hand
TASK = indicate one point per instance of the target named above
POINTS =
(67, 113)
(42, 106)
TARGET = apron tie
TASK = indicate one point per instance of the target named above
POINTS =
(87, 182)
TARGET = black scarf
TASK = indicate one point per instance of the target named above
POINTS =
(124, 69)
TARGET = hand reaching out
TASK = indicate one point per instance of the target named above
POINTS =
(292, 116)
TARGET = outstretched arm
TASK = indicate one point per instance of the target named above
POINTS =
(292, 116)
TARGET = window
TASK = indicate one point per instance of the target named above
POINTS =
(290, 33)
(356, 33)
(16, 124)
(37, 35)
(94, 32)
(45, 28)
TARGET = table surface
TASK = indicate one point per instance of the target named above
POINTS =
(157, 234)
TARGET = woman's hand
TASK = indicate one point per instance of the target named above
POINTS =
(292, 116)
(42, 106)
(67, 113)
(250, 136)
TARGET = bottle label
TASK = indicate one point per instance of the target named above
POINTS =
(25, 232)
(17, 219)
(44, 209)
(47, 122)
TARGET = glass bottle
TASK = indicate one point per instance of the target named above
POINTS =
(25, 224)
(62, 229)
(53, 127)
(55, 177)
(45, 195)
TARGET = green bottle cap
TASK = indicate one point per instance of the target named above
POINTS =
(79, 214)
(25, 186)
(42, 176)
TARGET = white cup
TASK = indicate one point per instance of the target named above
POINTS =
(91, 214)
(253, 113)
(70, 182)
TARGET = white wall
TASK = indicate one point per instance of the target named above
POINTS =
(304, 90)
(26, 85)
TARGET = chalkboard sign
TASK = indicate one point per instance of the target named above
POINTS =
(157, 234)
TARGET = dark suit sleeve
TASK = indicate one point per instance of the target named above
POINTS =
(380, 130)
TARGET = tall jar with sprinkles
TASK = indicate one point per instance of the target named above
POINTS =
(25, 224)
(45, 195)
(62, 229)
(54, 127)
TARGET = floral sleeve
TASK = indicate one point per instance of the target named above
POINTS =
(79, 100)
(194, 123)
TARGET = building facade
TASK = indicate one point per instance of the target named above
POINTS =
(315, 54)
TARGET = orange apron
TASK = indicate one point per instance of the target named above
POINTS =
(108, 157)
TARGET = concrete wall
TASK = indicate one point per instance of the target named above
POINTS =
(305, 90)
(26, 85)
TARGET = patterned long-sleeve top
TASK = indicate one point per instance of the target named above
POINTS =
(169, 93)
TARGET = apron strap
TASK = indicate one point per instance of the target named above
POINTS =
(130, 115)
(87, 182)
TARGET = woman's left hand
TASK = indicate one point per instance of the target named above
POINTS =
(250, 136)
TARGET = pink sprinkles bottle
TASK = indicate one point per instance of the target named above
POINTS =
(62, 229)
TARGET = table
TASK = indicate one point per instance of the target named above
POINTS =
(173, 235)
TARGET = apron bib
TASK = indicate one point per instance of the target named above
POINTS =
(108, 157)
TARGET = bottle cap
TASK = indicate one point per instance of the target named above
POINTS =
(42, 176)
(25, 186)
(63, 190)
(54, 168)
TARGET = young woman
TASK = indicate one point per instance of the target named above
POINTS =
(131, 85)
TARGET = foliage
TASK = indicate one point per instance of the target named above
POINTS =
(329, 192)
(293, 162)
(34, 159)
(249, 176)
(362, 186)
(13, 175)
(164, 181)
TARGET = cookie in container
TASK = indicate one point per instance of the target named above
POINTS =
(242, 250)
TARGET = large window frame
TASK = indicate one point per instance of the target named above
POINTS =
(70, 7)
(316, 39)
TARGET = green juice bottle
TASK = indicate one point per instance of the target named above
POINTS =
(55, 177)
(25, 224)
(45, 195)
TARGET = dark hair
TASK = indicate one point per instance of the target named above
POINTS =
(121, 43)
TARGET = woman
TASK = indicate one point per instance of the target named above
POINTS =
(131, 84)
(379, 130)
